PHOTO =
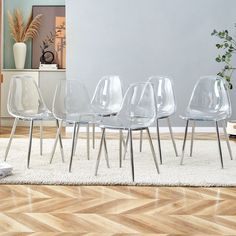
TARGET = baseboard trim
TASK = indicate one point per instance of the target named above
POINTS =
(69, 129)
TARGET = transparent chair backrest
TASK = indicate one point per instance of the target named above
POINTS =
(164, 92)
(108, 94)
(139, 102)
(24, 98)
(71, 98)
(210, 95)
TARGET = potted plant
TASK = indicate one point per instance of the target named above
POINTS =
(21, 33)
(227, 45)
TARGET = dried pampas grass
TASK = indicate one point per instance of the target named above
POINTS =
(21, 32)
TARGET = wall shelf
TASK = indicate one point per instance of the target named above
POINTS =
(33, 70)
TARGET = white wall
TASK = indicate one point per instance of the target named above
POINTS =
(139, 38)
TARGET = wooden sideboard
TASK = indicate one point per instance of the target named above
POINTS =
(46, 80)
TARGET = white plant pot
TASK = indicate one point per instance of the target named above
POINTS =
(19, 51)
(231, 127)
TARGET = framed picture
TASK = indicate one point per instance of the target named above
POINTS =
(50, 45)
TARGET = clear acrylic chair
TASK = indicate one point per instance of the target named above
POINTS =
(25, 102)
(209, 102)
(107, 98)
(166, 107)
(138, 112)
(71, 105)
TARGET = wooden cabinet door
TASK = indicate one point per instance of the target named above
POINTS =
(48, 81)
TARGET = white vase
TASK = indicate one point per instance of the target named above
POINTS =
(19, 51)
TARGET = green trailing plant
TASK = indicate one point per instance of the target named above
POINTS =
(227, 45)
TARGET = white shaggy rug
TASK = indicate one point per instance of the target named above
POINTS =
(203, 169)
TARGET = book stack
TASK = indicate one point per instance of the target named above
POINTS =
(48, 66)
(5, 170)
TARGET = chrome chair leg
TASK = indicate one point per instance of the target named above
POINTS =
(141, 141)
(126, 146)
(219, 145)
(153, 151)
(123, 139)
(120, 149)
(131, 154)
(88, 142)
(41, 138)
(73, 146)
(227, 140)
(172, 136)
(93, 136)
(185, 137)
(13, 130)
(30, 142)
(99, 152)
(76, 138)
(159, 142)
(106, 152)
(192, 138)
(60, 140)
(59, 125)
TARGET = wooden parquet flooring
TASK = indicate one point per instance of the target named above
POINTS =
(115, 210)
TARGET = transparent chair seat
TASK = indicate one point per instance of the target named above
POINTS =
(133, 123)
(165, 105)
(209, 101)
(25, 100)
(138, 109)
(138, 112)
(204, 116)
(108, 96)
(32, 115)
(80, 118)
(71, 103)
(102, 111)
(165, 99)
(164, 114)
(107, 99)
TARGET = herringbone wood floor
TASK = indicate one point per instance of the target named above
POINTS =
(115, 210)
